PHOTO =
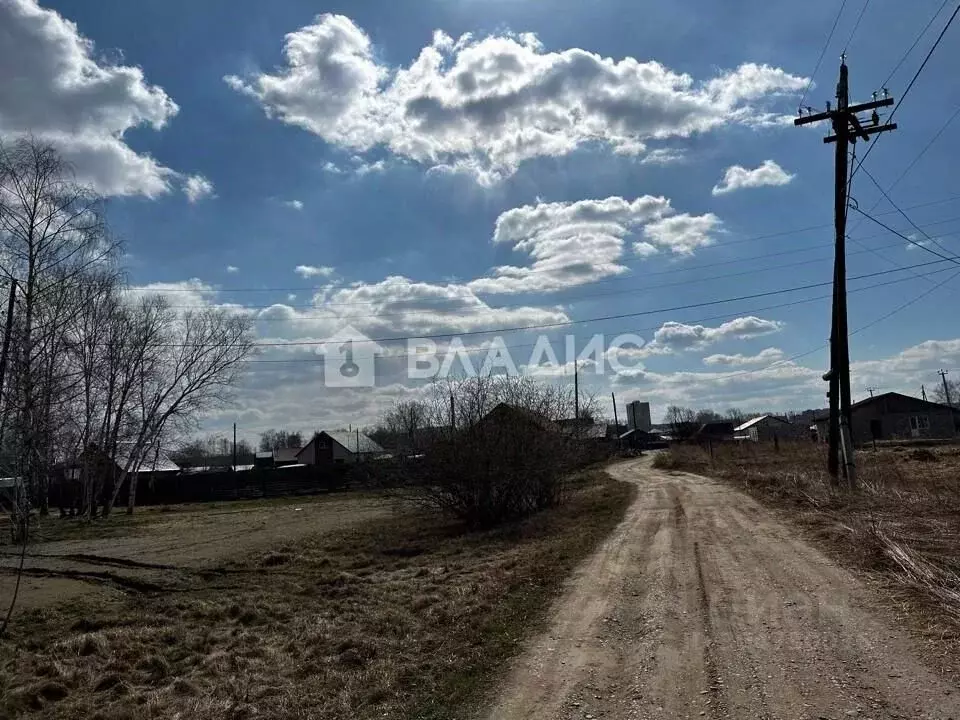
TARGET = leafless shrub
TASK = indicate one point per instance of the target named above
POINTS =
(497, 451)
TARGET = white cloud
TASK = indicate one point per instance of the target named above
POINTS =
(232, 269)
(680, 336)
(309, 271)
(398, 305)
(570, 243)
(769, 355)
(681, 234)
(489, 104)
(197, 187)
(293, 204)
(663, 156)
(54, 87)
(737, 177)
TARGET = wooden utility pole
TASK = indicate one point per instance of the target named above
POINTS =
(616, 422)
(870, 390)
(847, 129)
(923, 393)
(234, 447)
(576, 393)
(946, 388)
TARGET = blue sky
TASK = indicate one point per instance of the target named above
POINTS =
(397, 167)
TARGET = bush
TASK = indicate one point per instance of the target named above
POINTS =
(506, 457)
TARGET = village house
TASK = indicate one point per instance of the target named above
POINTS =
(338, 447)
(893, 416)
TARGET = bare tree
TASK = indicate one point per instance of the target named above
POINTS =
(196, 364)
(937, 393)
(51, 231)
(681, 421)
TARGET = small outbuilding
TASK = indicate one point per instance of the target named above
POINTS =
(768, 428)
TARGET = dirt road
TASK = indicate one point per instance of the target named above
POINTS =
(701, 604)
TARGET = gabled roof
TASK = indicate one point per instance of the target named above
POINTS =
(757, 420)
(348, 440)
(286, 454)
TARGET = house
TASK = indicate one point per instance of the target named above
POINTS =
(338, 447)
(767, 428)
(715, 431)
(281, 457)
(894, 416)
(637, 439)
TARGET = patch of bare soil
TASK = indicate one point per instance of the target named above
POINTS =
(703, 604)
(165, 549)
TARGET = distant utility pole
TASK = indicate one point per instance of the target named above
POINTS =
(923, 393)
(576, 393)
(616, 422)
(870, 390)
(234, 447)
(847, 129)
(946, 388)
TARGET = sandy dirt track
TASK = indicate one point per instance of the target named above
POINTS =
(701, 604)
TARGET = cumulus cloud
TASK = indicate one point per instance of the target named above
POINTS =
(309, 271)
(293, 204)
(737, 177)
(569, 243)
(680, 336)
(232, 269)
(53, 86)
(398, 305)
(197, 187)
(488, 104)
(681, 234)
(769, 355)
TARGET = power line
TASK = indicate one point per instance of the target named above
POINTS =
(856, 25)
(720, 246)
(911, 83)
(916, 41)
(902, 213)
(723, 316)
(823, 51)
(923, 247)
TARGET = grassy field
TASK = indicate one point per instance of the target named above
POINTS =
(902, 523)
(399, 617)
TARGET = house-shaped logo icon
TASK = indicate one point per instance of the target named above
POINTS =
(348, 359)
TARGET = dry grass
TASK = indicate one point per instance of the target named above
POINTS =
(408, 617)
(903, 521)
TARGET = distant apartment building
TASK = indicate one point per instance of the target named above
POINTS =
(638, 416)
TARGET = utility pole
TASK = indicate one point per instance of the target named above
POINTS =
(234, 447)
(616, 422)
(576, 393)
(870, 390)
(847, 129)
(923, 393)
(946, 388)
(453, 417)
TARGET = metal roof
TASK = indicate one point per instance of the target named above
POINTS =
(348, 439)
(756, 420)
